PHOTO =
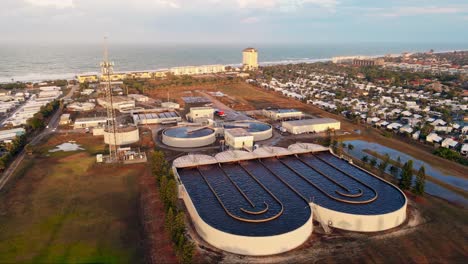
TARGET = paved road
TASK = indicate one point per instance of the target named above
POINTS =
(52, 126)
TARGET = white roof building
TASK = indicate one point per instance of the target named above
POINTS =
(449, 143)
(433, 137)
(464, 149)
(394, 126)
(406, 129)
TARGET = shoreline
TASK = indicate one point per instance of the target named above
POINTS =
(40, 77)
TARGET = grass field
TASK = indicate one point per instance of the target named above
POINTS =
(63, 207)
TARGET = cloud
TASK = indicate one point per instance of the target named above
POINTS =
(427, 10)
(59, 4)
(286, 5)
(169, 3)
(250, 20)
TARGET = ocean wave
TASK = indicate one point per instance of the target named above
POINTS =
(37, 77)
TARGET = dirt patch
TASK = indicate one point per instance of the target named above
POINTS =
(157, 241)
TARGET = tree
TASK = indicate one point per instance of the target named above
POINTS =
(162, 188)
(170, 193)
(383, 165)
(179, 225)
(28, 148)
(159, 164)
(180, 242)
(350, 146)
(373, 162)
(406, 176)
(169, 223)
(418, 188)
(187, 252)
(365, 158)
(394, 171)
(4, 162)
(334, 146)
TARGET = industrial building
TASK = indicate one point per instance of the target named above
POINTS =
(81, 107)
(200, 114)
(139, 97)
(64, 119)
(315, 125)
(249, 59)
(282, 114)
(118, 102)
(10, 134)
(238, 138)
(146, 118)
(263, 202)
(170, 105)
(29, 108)
(90, 122)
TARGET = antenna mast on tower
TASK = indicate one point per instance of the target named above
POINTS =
(107, 70)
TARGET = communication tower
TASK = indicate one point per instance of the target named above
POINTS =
(107, 70)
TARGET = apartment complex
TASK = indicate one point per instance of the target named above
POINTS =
(194, 70)
(249, 59)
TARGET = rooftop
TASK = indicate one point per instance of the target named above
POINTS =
(283, 110)
(238, 132)
(249, 50)
(315, 121)
(195, 100)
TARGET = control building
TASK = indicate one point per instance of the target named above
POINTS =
(238, 138)
(200, 114)
(118, 102)
(282, 114)
(311, 125)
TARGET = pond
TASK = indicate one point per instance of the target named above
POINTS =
(431, 188)
(67, 146)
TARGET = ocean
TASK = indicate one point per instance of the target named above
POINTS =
(28, 62)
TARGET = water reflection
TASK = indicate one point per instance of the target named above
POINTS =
(431, 188)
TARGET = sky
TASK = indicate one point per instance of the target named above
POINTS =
(233, 21)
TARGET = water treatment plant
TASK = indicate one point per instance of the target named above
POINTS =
(263, 202)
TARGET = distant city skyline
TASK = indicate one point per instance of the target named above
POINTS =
(233, 21)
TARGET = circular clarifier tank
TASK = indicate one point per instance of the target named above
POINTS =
(260, 131)
(188, 137)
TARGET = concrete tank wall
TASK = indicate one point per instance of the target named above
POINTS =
(189, 142)
(123, 137)
(246, 245)
(262, 135)
(361, 223)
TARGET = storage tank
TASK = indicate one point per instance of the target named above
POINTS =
(260, 131)
(188, 136)
(124, 136)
